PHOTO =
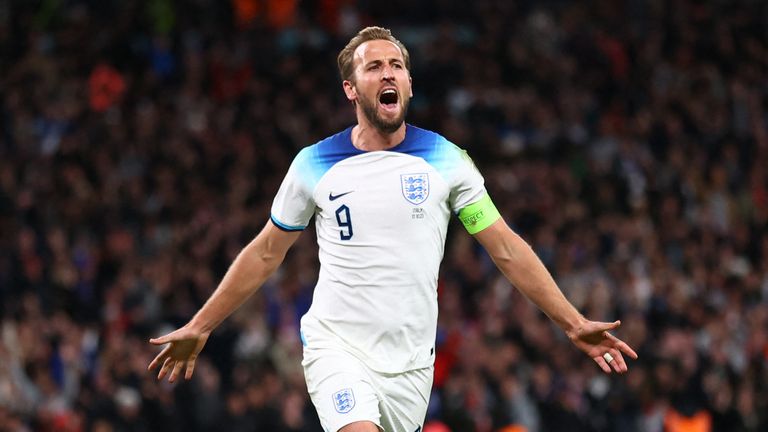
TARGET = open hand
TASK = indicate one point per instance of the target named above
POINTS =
(594, 339)
(184, 346)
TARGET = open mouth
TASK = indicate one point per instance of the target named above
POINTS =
(388, 99)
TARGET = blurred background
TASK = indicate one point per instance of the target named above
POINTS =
(141, 143)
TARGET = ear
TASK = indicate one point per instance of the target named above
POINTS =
(410, 78)
(350, 90)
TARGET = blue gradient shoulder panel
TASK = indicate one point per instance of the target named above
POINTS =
(317, 159)
(434, 148)
(314, 161)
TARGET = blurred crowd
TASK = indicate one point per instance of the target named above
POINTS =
(141, 144)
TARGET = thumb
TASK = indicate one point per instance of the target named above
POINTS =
(610, 326)
(162, 340)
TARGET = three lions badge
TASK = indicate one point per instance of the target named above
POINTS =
(344, 400)
(415, 187)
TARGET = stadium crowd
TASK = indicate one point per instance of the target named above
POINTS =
(141, 144)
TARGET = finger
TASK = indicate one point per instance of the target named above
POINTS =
(622, 346)
(190, 369)
(162, 340)
(177, 366)
(164, 370)
(602, 363)
(160, 358)
(618, 363)
(156, 361)
(606, 326)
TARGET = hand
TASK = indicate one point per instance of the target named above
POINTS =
(593, 338)
(185, 345)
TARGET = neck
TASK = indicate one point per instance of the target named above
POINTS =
(367, 138)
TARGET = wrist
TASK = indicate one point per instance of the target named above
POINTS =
(200, 326)
(573, 327)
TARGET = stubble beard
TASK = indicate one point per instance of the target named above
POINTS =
(370, 110)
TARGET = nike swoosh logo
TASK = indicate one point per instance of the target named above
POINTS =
(333, 197)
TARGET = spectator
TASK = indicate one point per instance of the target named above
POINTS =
(625, 140)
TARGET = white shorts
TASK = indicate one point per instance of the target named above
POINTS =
(344, 390)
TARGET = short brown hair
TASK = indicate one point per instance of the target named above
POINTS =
(347, 69)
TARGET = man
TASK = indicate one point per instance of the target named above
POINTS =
(382, 193)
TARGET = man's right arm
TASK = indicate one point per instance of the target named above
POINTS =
(252, 267)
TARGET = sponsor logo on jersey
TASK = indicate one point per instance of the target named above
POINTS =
(344, 400)
(415, 187)
(332, 197)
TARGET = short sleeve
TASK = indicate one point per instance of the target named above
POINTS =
(467, 184)
(293, 205)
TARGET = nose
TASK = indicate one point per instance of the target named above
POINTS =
(387, 74)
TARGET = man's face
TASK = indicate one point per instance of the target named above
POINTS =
(382, 84)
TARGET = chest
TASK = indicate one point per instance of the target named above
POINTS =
(385, 192)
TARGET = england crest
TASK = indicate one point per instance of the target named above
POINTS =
(415, 187)
(344, 400)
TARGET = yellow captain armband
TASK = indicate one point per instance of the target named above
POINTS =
(479, 215)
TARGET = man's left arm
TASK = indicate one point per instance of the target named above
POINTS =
(519, 263)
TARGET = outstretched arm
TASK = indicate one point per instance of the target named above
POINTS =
(519, 263)
(255, 263)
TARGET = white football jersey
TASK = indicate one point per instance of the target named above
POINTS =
(381, 219)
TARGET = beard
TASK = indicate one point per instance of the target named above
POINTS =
(372, 114)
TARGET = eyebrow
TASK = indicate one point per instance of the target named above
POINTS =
(391, 60)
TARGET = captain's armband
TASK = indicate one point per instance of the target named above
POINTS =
(479, 215)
